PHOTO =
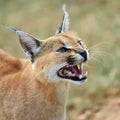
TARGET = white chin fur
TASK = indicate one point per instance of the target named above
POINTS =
(52, 74)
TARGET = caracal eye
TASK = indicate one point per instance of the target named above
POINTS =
(62, 49)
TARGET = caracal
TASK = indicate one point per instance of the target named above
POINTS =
(37, 88)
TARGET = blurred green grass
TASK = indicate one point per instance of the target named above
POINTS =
(96, 22)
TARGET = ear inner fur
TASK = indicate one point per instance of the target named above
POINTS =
(30, 44)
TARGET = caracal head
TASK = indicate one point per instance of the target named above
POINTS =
(58, 58)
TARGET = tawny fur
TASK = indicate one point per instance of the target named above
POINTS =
(22, 96)
(26, 92)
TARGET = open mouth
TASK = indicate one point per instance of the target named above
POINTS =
(74, 73)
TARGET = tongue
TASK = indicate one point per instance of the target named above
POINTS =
(77, 71)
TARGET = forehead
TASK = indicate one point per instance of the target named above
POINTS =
(53, 43)
(64, 40)
(68, 38)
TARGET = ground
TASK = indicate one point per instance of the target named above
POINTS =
(110, 110)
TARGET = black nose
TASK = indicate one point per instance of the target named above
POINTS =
(83, 53)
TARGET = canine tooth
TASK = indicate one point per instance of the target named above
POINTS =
(65, 70)
(82, 65)
(80, 76)
(69, 73)
(78, 66)
(86, 73)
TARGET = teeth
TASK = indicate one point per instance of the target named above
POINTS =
(82, 65)
(73, 74)
(80, 76)
(65, 71)
(78, 66)
(86, 73)
(83, 75)
(69, 73)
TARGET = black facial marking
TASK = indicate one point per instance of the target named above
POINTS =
(79, 41)
(37, 42)
(71, 60)
(83, 53)
(74, 78)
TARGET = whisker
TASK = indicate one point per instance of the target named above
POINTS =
(94, 59)
(98, 52)
(99, 44)
(89, 66)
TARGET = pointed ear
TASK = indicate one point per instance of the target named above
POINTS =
(30, 45)
(64, 26)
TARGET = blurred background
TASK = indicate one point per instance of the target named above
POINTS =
(97, 22)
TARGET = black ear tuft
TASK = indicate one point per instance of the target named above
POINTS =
(64, 26)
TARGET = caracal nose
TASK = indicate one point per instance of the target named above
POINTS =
(83, 53)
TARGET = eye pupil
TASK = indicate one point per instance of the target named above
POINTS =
(62, 49)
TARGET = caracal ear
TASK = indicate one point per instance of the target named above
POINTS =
(30, 45)
(64, 26)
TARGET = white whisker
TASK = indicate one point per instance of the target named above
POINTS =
(99, 44)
